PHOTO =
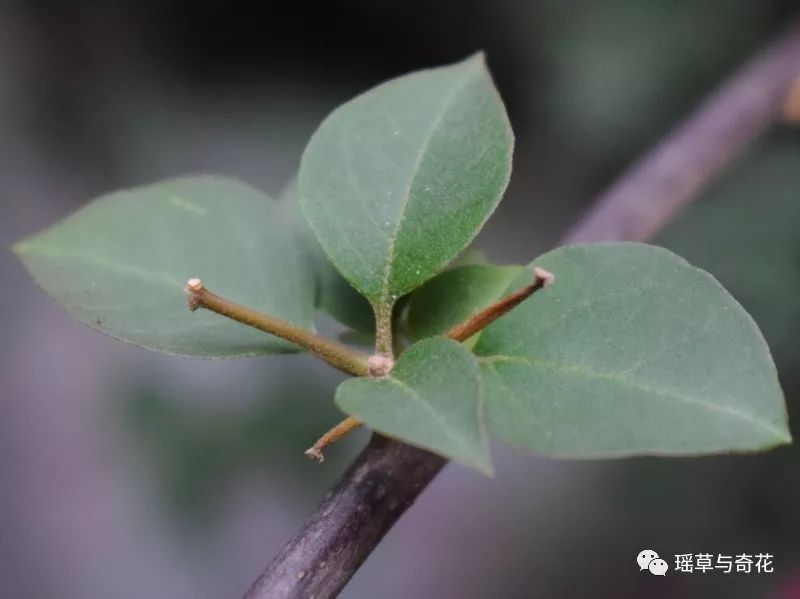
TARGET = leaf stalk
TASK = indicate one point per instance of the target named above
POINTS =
(341, 430)
(480, 320)
(334, 353)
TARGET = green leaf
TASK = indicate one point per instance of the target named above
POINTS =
(632, 351)
(398, 181)
(456, 294)
(471, 255)
(120, 265)
(334, 295)
(431, 399)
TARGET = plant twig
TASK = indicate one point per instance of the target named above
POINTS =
(369, 498)
(337, 355)
(344, 428)
(381, 365)
(481, 320)
(388, 475)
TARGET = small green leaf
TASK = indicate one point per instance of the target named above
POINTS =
(334, 295)
(431, 399)
(471, 255)
(632, 351)
(456, 294)
(120, 265)
(396, 182)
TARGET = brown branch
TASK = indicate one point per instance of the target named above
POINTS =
(389, 475)
(344, 529)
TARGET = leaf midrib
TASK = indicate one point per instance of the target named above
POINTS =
(435, 124)
(628, 382)
(449, 431)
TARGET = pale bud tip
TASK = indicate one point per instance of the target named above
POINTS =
(545, 276)
(315, 454)
(194, 285)
(379, 365)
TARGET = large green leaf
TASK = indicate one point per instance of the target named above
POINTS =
(334, 295)
(120, 265)
(631, 351)
(431, 399)
(456, 294)
(396, 182)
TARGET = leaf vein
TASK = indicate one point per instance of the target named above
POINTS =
(633, 384)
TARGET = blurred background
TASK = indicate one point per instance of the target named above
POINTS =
(127, 474)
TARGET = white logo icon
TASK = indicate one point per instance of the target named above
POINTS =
(649, 560)
(658, 567)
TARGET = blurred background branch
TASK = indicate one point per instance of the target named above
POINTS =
(388, 475)
(655, 188)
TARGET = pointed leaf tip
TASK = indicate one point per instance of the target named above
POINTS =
(396, 182)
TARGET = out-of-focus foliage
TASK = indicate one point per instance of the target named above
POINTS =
(199, 453)
(623, 70)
